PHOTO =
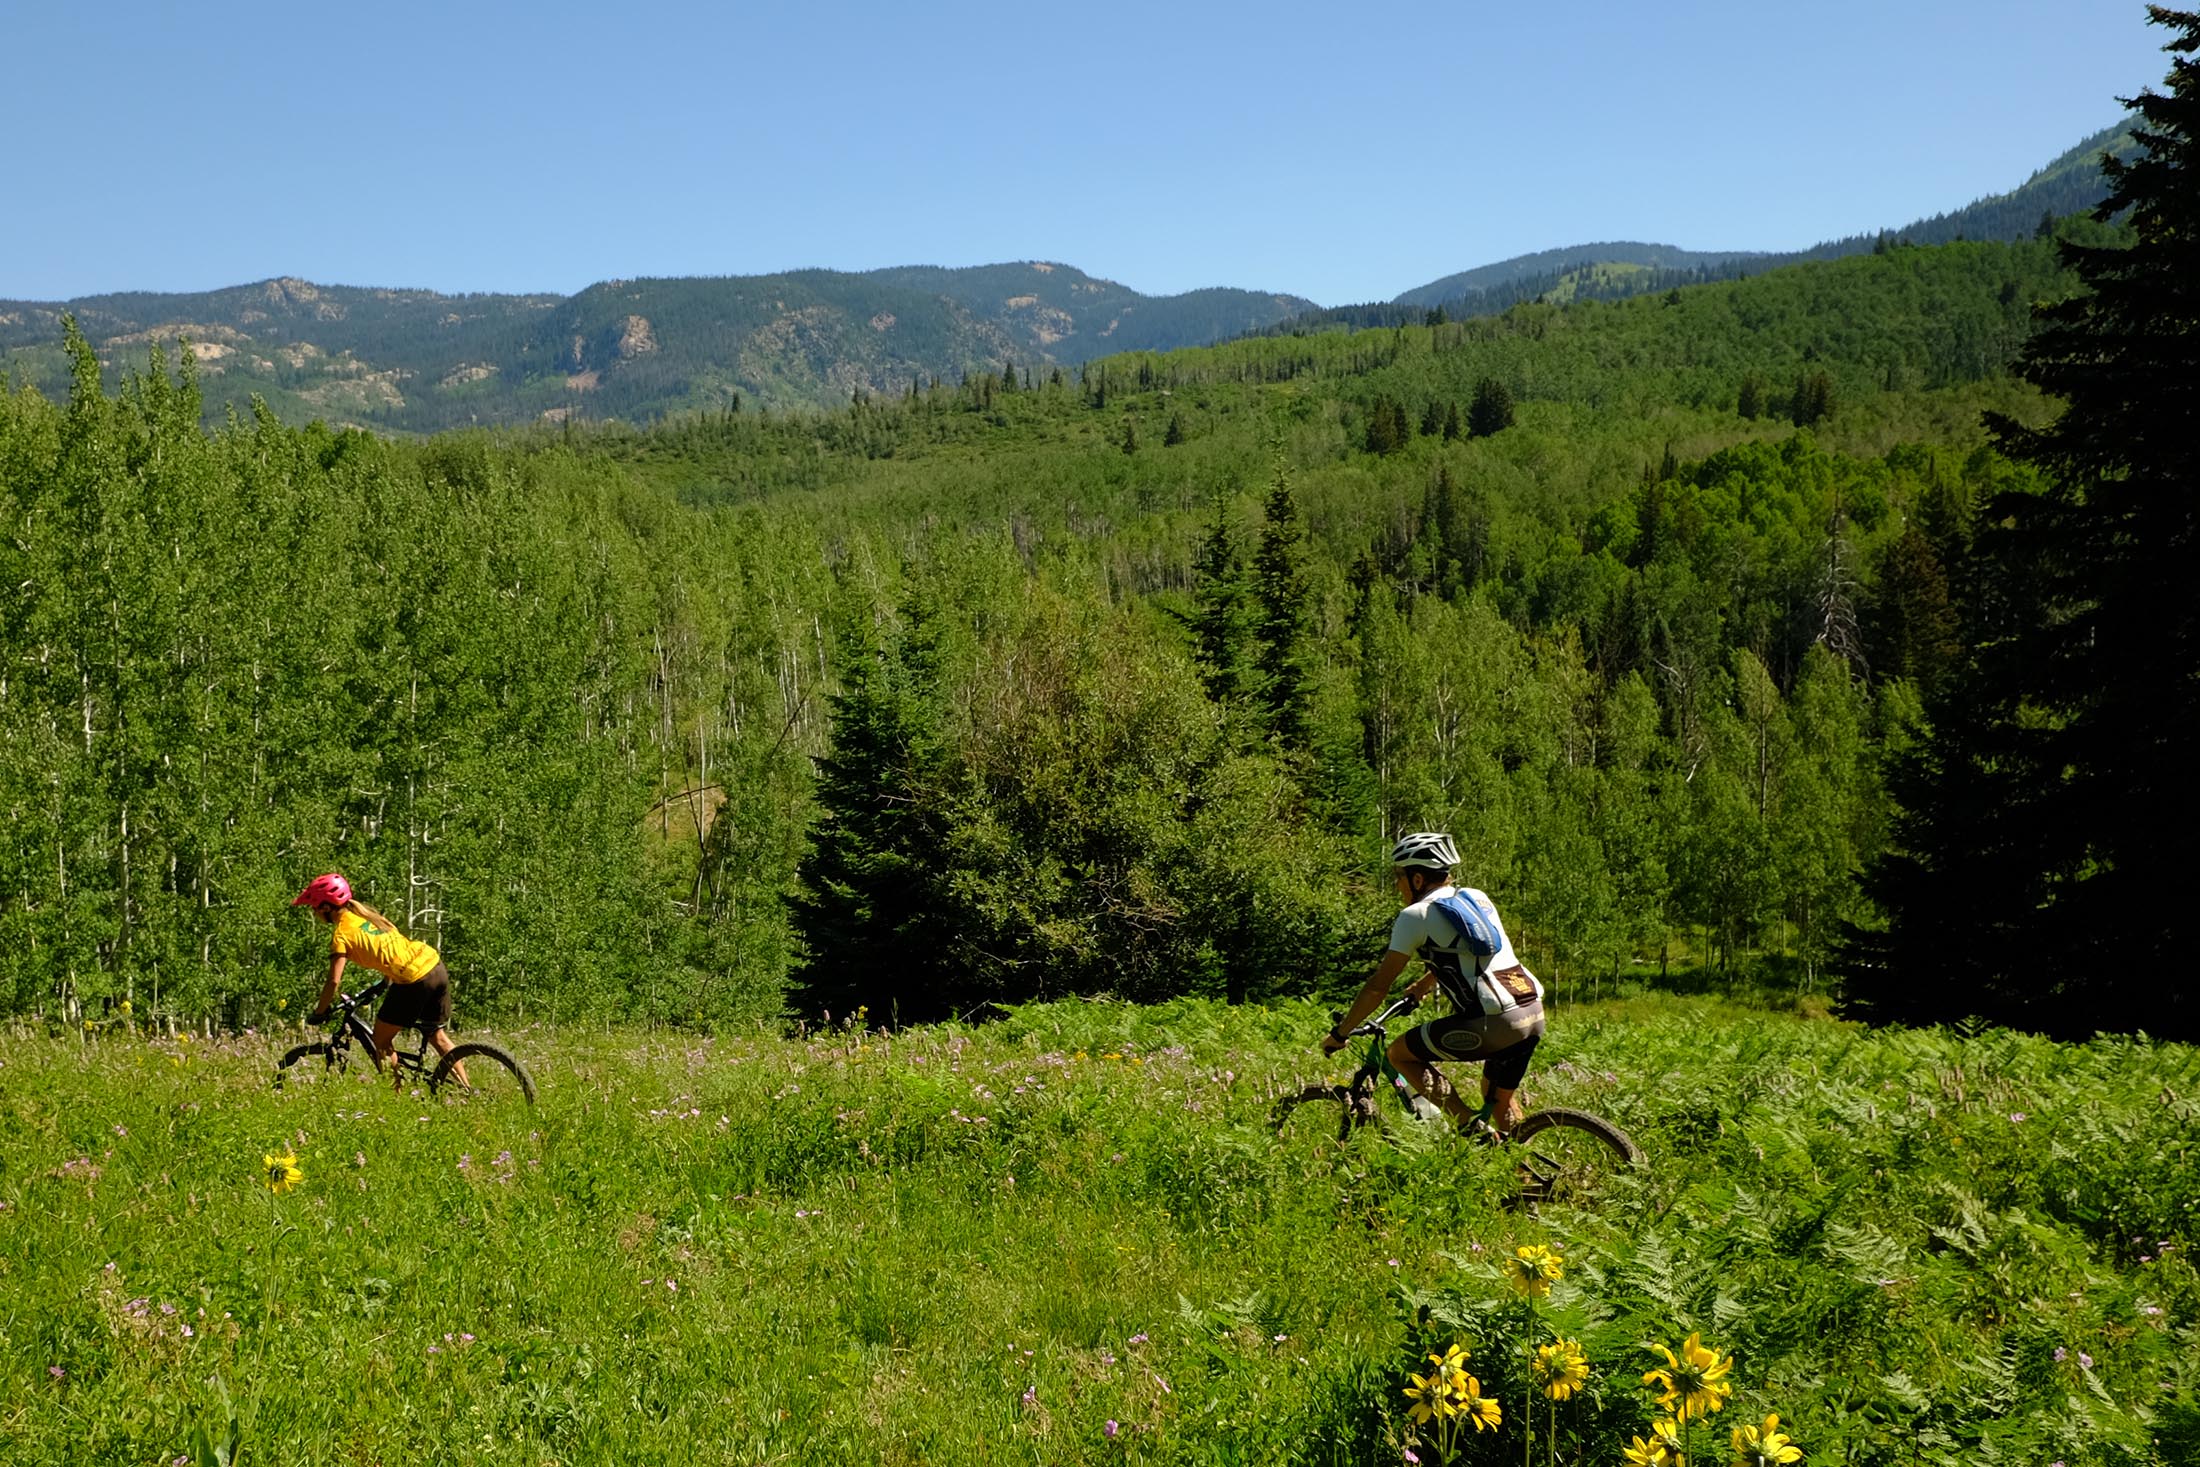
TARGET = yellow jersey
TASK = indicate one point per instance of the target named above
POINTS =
(387, 951)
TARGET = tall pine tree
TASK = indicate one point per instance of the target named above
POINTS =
(2047, 838)
(1281, 631)
(875, 932)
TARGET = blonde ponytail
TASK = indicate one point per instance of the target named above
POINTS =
(359, 908)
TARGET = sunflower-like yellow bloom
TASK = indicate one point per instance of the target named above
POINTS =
(1431, 1401)
(1765, 1446)
(1651, 1453)
(282, 1171)
(1533, 1268)
(1437, 1395)
(1482, 1410)
(1694, 1382)
(1560, 1368)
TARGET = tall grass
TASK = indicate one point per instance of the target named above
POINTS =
(986, 1245)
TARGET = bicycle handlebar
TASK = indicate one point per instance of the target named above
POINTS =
(350, 1003)
(1374, 1024)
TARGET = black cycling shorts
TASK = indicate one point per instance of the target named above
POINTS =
(422, 1005)
(1502, 1043)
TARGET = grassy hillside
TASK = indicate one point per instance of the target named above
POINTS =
(1070, 1237)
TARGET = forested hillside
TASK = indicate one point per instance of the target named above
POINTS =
(418, 362)
(415, 361)
(2071, 184)
(1120, 682)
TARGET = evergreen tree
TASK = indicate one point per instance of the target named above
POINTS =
(874, 928)
(1222, 621)
(1432, 419)
(1491, 411)
(1008, 376)
(1443, 523)
(1383, 419)
(1911, 619)
(1130, 435)
(2047, 835)
(1751, 403)
(1811, 402)
(1454, 429)
(1281, 632)
(1175, 433)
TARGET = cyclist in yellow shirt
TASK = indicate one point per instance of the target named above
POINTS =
(419, 995)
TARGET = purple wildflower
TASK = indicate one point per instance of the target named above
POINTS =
(1137, 1339)
(2085, 1360)
(1110, 1430)
(55, 1371)
(2061, 1354)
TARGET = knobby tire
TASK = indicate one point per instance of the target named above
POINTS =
(482, 1054)
(1547, 1179)
(1354, 1108)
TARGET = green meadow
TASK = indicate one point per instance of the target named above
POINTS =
(1070, 1237)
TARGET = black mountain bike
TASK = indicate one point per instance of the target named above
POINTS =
(491, 1073)
(1562, 1155)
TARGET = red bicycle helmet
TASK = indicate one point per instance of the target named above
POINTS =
(331, 889)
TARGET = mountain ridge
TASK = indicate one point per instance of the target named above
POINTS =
(419, 360)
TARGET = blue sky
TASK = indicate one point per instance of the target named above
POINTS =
(1341, 152)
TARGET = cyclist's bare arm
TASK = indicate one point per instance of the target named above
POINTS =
(335, 978)
(1372, 994)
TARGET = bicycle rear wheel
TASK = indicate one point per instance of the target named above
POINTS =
(491, 1077)
(1567, 1156)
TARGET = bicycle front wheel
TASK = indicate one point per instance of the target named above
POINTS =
(1317, 1108)
(1567, 1156)
(310, 1062)
(482, 1074)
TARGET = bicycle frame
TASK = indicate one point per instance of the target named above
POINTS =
(350, 1029)
(1378, 1065)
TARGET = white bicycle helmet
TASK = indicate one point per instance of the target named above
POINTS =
(1429, 850)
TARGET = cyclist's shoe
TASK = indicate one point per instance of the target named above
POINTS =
(318, 1016)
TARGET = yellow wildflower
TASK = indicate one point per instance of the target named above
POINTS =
(126, 1006)
(282, 1171)
(1560, 1368)
(1533, 1268)
(1765, 1446)
(1651, 1453)
(1431, 1400)
(1693, 1382)
(1439, 1394)
(1482, 1410)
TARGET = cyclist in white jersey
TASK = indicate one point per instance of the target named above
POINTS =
(1497, 1004)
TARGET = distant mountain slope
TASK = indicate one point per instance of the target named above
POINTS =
(414, 360)
(420, 361)
(2070, 183)
(1485, 278)
(1066, 315)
